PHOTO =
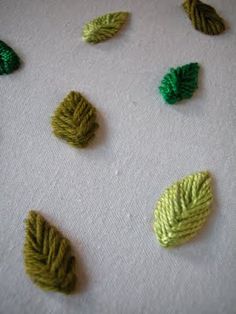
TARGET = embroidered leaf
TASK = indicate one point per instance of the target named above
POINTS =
(180, 83)
(47, 256)
(74, 120)
(182, 209)
(204, 18)
(104, 27)
(9, 61)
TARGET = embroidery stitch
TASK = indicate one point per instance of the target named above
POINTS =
(74, 120)
(204, 17)
(179, 83)
(47, 256)
(9, 61)
(182, 209)
(104, 27)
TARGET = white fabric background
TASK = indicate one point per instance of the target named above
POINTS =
(102, 197)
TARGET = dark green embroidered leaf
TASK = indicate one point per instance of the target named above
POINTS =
(180, 83)
(9, 61)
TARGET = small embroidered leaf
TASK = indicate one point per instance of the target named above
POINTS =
(180, 83)
(74, 120)
(47, 256)
(104, 27)
(182, 209)
(9, 61)
(204, 18)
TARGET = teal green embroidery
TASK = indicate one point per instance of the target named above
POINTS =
(104, 27)
(9, 61)
(47, 256)
(204, 18)
(180, 83)
(74, 120)
(182, 209)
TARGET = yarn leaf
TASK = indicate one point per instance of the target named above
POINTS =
(104, 27)
(74, 120)
(182, 209)
(180, 83)
(9, 61)
(204, 17)
(47, 256)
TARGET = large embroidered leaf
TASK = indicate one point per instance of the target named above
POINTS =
(104, 27)
(204, 17)
(180, 83)
(182, 209)
(47, 256)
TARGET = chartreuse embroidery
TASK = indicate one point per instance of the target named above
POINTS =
(204, 18)
(74, 120)
(179, 83)
(104, 27)
(182, 209)
(9, 61)
(47, 256)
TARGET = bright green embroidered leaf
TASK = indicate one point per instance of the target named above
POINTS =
(104, 27)
(180, 83)
(182, 209)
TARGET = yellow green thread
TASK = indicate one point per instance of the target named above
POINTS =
(74, 120)
(179, 83)
(104, 27)
(204, 18)
(9, 61)
(47, 256)
(182, 209)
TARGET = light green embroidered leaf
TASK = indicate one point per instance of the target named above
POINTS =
(182, 209)
(104, 27)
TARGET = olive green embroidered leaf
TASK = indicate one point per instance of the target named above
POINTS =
(182, 209)
(104, 27)
(47, 256)
(74, 120)
(204, 17)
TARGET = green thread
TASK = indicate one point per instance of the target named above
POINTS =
(180, 83)
(204, 18)
(104, 27)
(47, 256)
(182, 209)
(74, 120)
(9, 61)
